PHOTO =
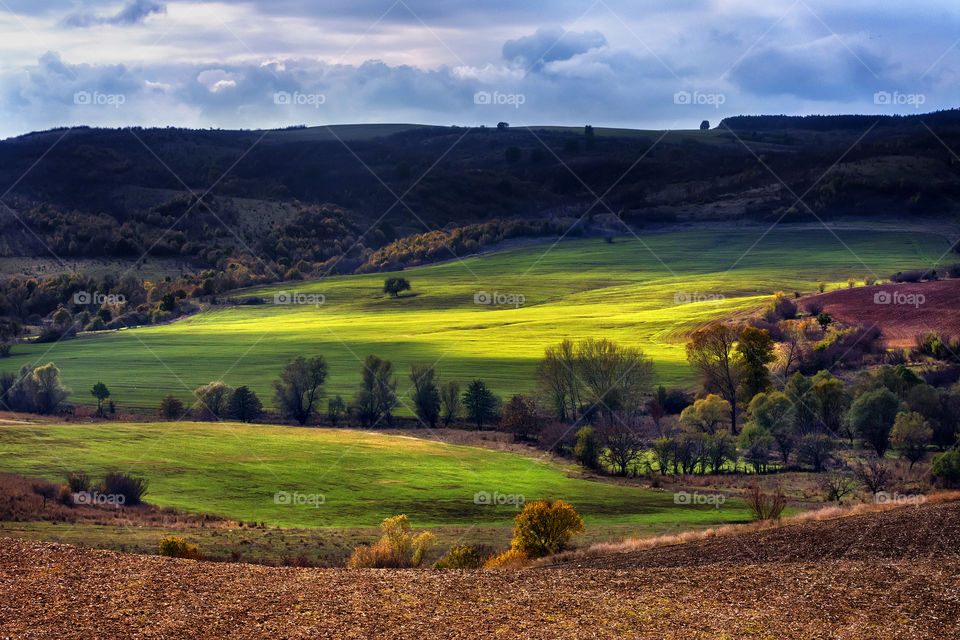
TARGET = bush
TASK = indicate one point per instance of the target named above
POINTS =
(766, 507)
(511, 559)
(130, 487)
(175, 547)
(464, 556)
(587, 449)
(78, 481)
(396, 549)
(545, 527)
(170, 408)
(5, 350)
(946, 467)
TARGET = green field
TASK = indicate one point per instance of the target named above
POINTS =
(627, 291)
(236, 470)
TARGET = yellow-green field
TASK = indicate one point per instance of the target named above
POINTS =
(633, 291)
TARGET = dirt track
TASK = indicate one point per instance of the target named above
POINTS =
(57, 591)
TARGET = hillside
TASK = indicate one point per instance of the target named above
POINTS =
(57, 591)
(276, 198)
(646, 292)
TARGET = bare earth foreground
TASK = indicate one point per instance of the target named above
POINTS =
(894, 574)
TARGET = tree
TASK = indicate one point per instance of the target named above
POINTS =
(300, 386)
(755, 349)
(757, 443)
(830, 402)
(587, 449)
(450, 401)
(170, 408)
(378, 392)
(707, 414)
(62, 318)
(521, 417)
(335, 409)
(837, 485)
(797, 390)
(557, 378)
(824, 320)
(621, 447)
(480, 403)
(711, 354)
(663, 453)
(213, 399)
(656, 407)
(42, 389)
(872, 416)
(101, 393)
(426, 396)
(395, 285)
(874, 475)
(545, 527)
(910, 436)
(244, 405)
(719, 449)
(815, 449)
(614, 377)
(705, 125)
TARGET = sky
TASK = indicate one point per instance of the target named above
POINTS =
(652, 64)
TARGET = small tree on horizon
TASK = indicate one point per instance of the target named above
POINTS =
(395, 285)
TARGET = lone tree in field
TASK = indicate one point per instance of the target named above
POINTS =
(170, 408)
(244, 405)
(378, 391)
(42, 389)
(426, 396)
(480, 403)
(101, 393)
(395, 285)
(712, 355)
(299, 388)
(450, 401)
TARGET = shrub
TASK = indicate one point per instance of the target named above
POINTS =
(130, 487)
(5, 350)
(170, 408)
(397, 548)
(175, 547)
(464, 556)
(510, 559)
(946, 467)
(78, 481)
(213, 400)
(587, 449)
(545, 527)
(874, 475)
(766, 507)
(65, 496)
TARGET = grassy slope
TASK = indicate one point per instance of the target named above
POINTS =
(234, 470)
(624, 291)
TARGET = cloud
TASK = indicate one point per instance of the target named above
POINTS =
(549, 45)
(132, 13)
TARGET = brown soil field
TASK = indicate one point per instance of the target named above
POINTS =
(898, 309)
(892, 574)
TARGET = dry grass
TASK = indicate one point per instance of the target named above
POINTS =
(639, 544)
